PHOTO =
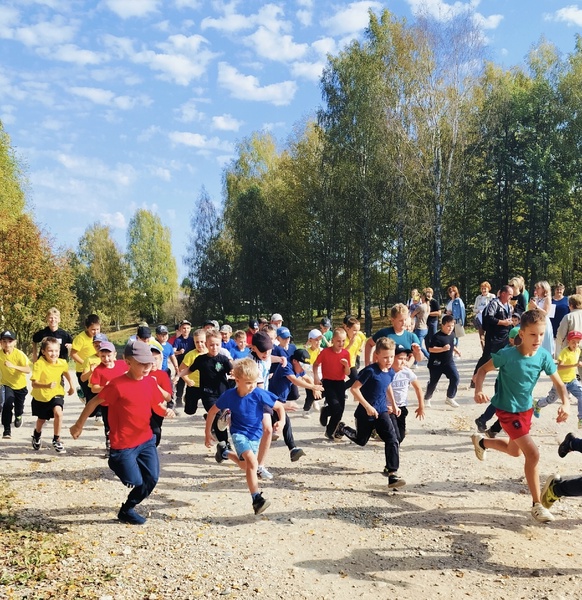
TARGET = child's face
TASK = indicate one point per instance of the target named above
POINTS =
(53, 322)
(264, 355)
(200, 344)
(185, 330)
(573, 344)
(96, 346)
(225, 335)
(8, 345)
(398, 322)
(284, 342)
(241, 343)
(531, 337)
(324, 329)
(351, 331)
(93, 330)
(162, 337)
(157, 361)
(447, 328)
(400, 361)
(484, 290)
(244, 385)
(385, 358)
(106, 357)
(272, 334)
(51, 353)
(213, 346)
(338, 341)
(515, 320)
(136, 369)
(315, 342)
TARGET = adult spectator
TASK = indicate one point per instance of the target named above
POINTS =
(481, 302)
(520, 295)
(419, 317)
(561, 303)
(433, 316)
(456, 308)
(53, 318)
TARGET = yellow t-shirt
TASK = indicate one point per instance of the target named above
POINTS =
(313, 354)
(569, 357)
(11, 377)
(45, 372)
(83, 345)
(189, 358)
(90, 360)
(355, 347)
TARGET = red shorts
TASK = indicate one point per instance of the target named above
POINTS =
(516, 425)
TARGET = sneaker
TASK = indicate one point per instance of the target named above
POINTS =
(395, 482)
(481, 425)
(316, 406)
(490, 433)
(472, 385)
(7, 435)
(548, 496)
(264, 473)
(427, 403)
(339, 430)
(59, 447)
(331, 438)
(481, 453)
(565, 447)
(260, 504)
(537, 409)
(579, 423)
(220, 448)
(99, 421)
(36, 442)
(541, 514)
(296, 454)
(452, 402)
(130, 516)
(18, 421)
(305, 414)
(223, 421)
(81, 395)
(374, 435)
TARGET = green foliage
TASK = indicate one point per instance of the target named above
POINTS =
(12, 182)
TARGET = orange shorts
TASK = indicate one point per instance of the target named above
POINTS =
(516, 425)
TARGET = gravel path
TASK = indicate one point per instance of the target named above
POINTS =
(460, 528)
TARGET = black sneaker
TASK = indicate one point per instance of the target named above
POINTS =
(296, 454)
(481, 425)
(338, 434)
(59, 447)
(36, 441)
(18, 421)
(220, 448)
(490, 433)
(395, 482)
(565, 447)
(472, 385)
(7, 435)
(260, 504)
(130, 516)
(323, 416)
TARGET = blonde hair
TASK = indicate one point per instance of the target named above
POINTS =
(53, 311)
(199, 333)
(245, 368)
(546, 287)
(486, 284)
(385, 343)
(212, 333)
(575, 301)
(398, 309)
(239, 334)
(517, 283)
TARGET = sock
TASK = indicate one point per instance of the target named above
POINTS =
(255, 495)
(481, 443)
(55, 438)
(225, 453)
(36, 434)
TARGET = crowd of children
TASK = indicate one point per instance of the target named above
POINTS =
(248, 382)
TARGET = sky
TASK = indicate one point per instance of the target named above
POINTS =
(117, 105)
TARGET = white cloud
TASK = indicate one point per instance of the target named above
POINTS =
(132, 8)
(444, 11)
(307, 70)
(274, 46)
(73, 54)
(197, 140)
(45, 33)
(226, 123)
(231, 22)
(247, 87)
(89, 168)
(147, 134)
(108, 98)
(194, 4)
(163, 174)
(115, 220)
(572, 15)
(188, 112)
(304, 17)
(353, 18)
(325, 46)
(52, 124)
(9, 18)
(490, 22)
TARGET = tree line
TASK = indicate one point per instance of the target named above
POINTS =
(425, 165)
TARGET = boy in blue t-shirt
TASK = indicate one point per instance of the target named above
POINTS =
(519, 370)
(371, 390)
(240, 350)
(246, 403)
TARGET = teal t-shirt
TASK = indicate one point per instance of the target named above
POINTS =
(517, 377)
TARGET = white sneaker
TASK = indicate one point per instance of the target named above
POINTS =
(316, 406)
(263, 473)
(541, 514)
(481, 453)
(305, 414)
(427, 404)
(452, 402)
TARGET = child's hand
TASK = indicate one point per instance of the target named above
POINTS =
(52, 385)
(278, 426)
(283, 361)
(75, 431)
(207, 440)
(317, 395)
(344, 362)
(419, 412)
(189, 383)
(481, 398)
(70, 391)
(8, 364)
(92, 368)
(563, 414)
(291, 406)
(371, 411)
(170, 414)
(446, 347)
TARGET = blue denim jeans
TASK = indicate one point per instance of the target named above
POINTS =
(138, 468)
(573, 387)
(421, 335)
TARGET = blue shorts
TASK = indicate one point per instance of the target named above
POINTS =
(242, 444)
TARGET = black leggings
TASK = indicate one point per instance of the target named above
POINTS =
(335, 399)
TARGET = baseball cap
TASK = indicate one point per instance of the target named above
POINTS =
(253, 324)
(155, 346)
(144, 332)
(283, 332)
(8, 334)
(262, 341)
(301, 355)
(226, 329)
(162, 329)
(325, 322)
(139, 350)
(106, 346)
(399, 349)
(100, 337)
(574, 335)
(314, 334)
(184, 322)
(276, 317)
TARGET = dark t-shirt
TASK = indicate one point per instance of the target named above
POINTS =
(433, 305)
(279, 384)
(279, 351)
(441, 359)
(562, 310)
(182, 343)
(374, 384)
(213, 371)
(63, 336)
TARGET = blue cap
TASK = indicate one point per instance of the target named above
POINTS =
(283, 332)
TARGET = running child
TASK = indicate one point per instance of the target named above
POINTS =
(48, 394)
(313, 347)
(192, 391)
(164, 384)
(131, 399)
(241, 350)
(519, 370)
(246, 403)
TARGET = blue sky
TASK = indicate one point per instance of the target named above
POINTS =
(121, 104)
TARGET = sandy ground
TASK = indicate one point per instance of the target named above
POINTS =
(460, 528)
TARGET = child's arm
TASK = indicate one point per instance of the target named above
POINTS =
(77, 428)
(346, 363)
(480, 396)
(316, 364)
(209, 420)
(167, 396)
(393, 408)
(185, 373)
(176, 366)
(368, 349)
(24, 369)
(71, 389)
(439, 349)
(419, 397)
(564, 410)
(305, 382)
(279, 408)
(76, 357)
(370, 410)
(43, 386)
(86, 375)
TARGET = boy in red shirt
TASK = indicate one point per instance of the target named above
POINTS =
(335, 367)
(131, 399)
(165, 386)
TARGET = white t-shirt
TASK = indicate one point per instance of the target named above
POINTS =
(400, 384)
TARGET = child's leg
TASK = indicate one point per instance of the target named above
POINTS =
(38, 426)
(388, 434)
(336, 403)
(251, 466)
(287, 432)
(361, 434)
(549, 399)
(7, 408)
(575, 389)
(435, 375)
(451, 373)
(488, 414)
(57, 421)
(266, 438)
(208, 402)
(19, 398)
(400, 422)
(309, 399)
